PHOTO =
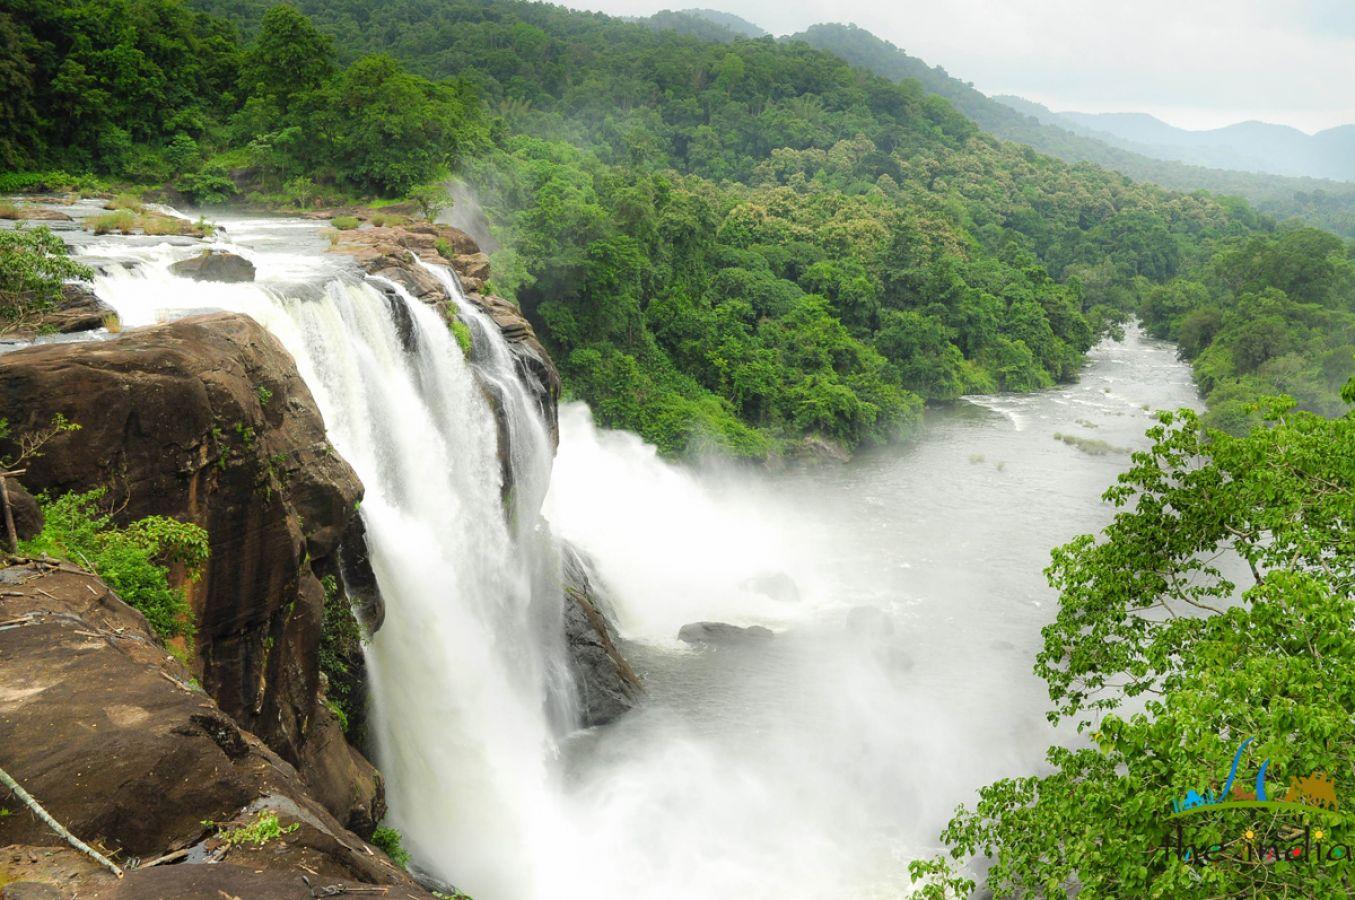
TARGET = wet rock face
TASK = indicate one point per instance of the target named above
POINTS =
(607, 684)
(215, 265)
(107, 731)
(207, 420)
(387, 252)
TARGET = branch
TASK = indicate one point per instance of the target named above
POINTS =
(56, 826)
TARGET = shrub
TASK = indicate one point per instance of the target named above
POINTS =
(33, 264)
(339, 656)
(47, 182)
(461, 331)
(345, 223)
(133, 560)
(123, 221)
(259, 833)
(431, 199)
(211, 185)
(126, 201)
(389, 841)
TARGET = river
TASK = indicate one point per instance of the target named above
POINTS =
(818, 763)
(814, 763)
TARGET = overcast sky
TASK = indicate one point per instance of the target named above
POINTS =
(1193, 63)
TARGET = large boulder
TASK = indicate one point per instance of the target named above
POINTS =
(606, 683)
(207, 420)
(76, 310)
(215, 265)
(110, 734)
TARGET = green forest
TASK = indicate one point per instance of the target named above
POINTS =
(1326, 204)
(728, 243)
(733, 243)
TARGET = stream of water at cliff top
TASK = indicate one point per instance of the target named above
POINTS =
(814, 764)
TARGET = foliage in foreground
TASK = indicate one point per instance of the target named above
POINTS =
(1149, 611)
(34, 263)
(133, 560)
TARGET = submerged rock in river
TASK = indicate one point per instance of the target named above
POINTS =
(722, 633)
(776, 585)
(215, 265)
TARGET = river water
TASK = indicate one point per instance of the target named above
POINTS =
(818, 763)
(815, 763)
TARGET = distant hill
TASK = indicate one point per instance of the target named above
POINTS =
(707, 24)
(1249, 146)
(1324, 202)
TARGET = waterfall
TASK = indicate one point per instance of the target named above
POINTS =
(469, 685)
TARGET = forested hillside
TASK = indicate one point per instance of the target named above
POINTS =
(1325, 203)
(731, 242)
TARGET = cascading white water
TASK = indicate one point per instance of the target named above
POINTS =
(529, 453)
(812, 765)
(469, 657)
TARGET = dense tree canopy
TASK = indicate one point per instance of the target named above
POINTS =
(153, 91)
(735, 241)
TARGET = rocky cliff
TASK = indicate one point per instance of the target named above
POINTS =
(388, 252)
(111, 735)
(606, 683)
(207, 420)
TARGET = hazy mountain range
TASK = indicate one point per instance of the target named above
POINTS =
(1247, 146)
(1273, 166)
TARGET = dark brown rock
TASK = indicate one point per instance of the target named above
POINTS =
(607, 684)
(35, 213)
(215, 265)
(78, 309)
(28, 519)
(106, 730)
(207, 420)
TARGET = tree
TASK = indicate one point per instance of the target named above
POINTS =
(1147, 611)
(432, 199)
(290, 57)
(384, 130)
(34, 263)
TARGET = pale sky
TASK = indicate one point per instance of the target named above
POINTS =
(1193, 63)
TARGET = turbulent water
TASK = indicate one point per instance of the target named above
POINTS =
(814, 764)
(819, 763)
